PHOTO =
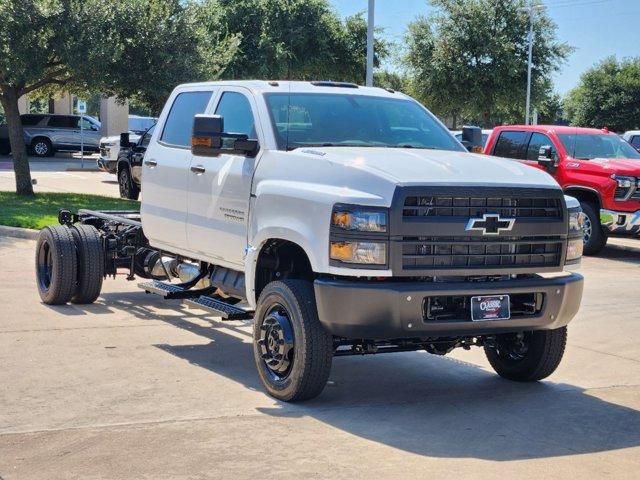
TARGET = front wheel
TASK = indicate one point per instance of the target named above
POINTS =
(128, 189)
(292, 350)
(527, 356)
(595, 237)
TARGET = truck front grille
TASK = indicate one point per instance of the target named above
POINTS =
(433, 253)
(467, 206)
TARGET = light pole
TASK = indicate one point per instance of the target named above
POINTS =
(531, 8)
(370, 27)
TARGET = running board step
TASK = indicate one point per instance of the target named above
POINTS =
(218, 308)
(165, 290)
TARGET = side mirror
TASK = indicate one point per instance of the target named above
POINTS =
(210, 140)
(546, 157)
(124, 140)
(472, 139)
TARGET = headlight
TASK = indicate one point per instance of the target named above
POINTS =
(624, 182)
(576, 222)
(374, 253)
(575, 244)
(574, 250)
(359, 220)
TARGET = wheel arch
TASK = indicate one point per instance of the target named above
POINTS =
(584, 194)
(276, 258)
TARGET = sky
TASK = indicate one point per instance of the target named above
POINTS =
(595, 28)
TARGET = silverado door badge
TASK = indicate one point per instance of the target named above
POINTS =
(490, 224)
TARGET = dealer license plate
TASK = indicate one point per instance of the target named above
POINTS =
(490, 307)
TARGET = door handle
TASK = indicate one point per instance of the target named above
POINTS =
(150, 163)
(198, 169)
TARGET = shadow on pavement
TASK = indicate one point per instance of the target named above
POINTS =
(619, 254)
(427, 405)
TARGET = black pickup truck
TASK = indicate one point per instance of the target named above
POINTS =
(129, 164)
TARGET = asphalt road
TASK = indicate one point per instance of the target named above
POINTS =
(138, 387)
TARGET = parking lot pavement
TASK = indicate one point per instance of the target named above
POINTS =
(134, 386)
(62, 173)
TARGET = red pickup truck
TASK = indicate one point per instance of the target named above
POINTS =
(595, 166)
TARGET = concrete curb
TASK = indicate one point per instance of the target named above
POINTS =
(26, 233)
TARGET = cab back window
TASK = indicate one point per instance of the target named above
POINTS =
(179, 125)
(511, 145)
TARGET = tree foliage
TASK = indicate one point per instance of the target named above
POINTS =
(133, 48)
(469, 59)
(297, 39)
(608, 95)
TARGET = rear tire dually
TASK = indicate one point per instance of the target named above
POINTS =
(528, 356)
(90, 263)
(56, 265)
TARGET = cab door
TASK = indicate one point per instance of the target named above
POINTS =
(220, 187)
(537, 140)
(165, 170)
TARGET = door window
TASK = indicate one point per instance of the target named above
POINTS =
(510, 145)
(635, 141)
(146, 138)
(236, 110)
(179, 124)
(538, 140)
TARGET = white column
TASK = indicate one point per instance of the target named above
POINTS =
(23, 105)
(114, 116)
(63, 105)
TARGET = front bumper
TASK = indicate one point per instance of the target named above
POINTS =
(620, 223)
(106, 165)
(391, 310)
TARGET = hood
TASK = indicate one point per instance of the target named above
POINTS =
(408, 166)
(622, 166)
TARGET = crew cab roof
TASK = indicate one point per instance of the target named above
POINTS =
(285, 86)
(557, 129)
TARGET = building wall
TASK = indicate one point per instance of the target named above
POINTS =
(114, 116)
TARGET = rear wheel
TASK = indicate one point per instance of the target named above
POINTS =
(90, 263)
(56, 265)
(292, 350)
(595, 237)
(527, 356)
(41, 147)
(128, 189)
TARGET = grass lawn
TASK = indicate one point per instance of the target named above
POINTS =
(42, 209)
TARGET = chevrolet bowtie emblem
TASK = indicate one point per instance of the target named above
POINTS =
(490, 224)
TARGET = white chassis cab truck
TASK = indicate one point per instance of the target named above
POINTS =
(344, 221)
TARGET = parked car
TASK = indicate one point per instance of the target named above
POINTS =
(110, 146)
(129, 164)
(45, 134)
(633, 137)
(343, 220)
(595, 166)
(485, 135)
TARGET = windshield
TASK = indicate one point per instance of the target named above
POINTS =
(590, 146)
(319, 119)
(140, 124)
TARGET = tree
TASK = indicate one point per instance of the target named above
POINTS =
(608, 95)
(132, 48)
(297, 39)
(469, 59)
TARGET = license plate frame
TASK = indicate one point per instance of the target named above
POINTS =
(486, 308)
